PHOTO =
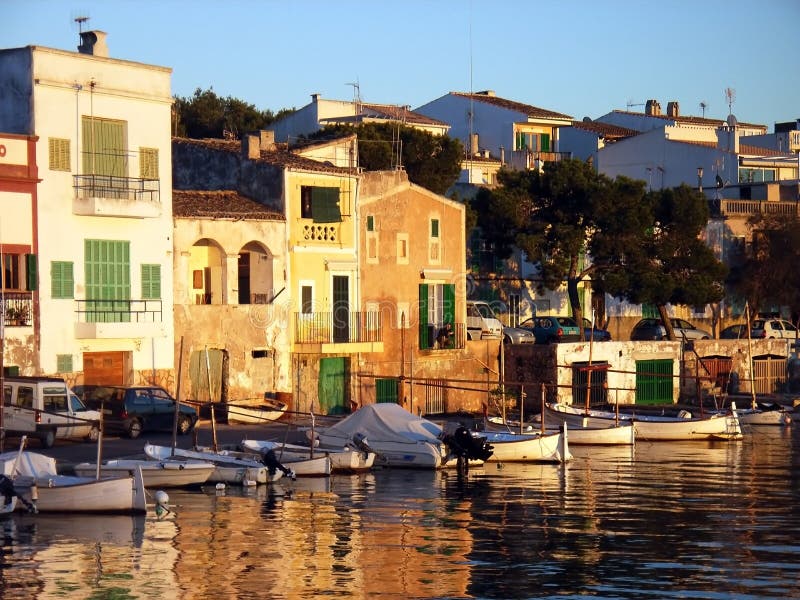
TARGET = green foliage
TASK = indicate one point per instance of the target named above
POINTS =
(206, 115)
(431, 161)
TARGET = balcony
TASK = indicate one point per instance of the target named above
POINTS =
(747, 208)
(436, 337)
(18, 309)
(119, 319)
(524, 160)
(338, 331)
(110, 196)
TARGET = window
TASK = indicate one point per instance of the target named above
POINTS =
(307, 299)
(58, 150)
(103, 150)
(437, 307)
(108, 280)
(434, 246)
(434, 228)
(148, 163)
(14, 272)
(62, 280)
(370, 223)
(402, 248)
(64, 363)
(151, 282)
(321, 204)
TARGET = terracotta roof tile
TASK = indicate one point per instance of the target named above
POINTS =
(605, 129)
(527, 109)
(690, 120)
(401, 113)
(279, 157)
(222, 204)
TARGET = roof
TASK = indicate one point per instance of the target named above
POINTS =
(527, 109)
(688, 120)
(744, 149)
(401, 113)
(605, 130)
(221, 204)
(280, 156)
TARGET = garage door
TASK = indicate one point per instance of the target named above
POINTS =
(105, 368)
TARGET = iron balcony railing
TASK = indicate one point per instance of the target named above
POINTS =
(337, 327)
(119, 311)
(121, 188)
(17, 309)
(442, 337)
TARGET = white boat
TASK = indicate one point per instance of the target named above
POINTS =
(398, 438)
(262, 413)
(227, 469)
(156, 473)
(37, 480)
(765, 414)
(301, 465)
(622, 434)
(683, 427)
(345, 460)
(535, 447)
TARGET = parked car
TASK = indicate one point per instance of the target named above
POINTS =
(553, 329)
(595, 333)
(518, 335)
(134, 409)
(734, 332)
(653, 329)
(482, 323)
(773, 328)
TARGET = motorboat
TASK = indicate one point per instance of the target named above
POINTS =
(580, 434)
(344, 460)
(227, 469)
(529, 447)
(156, 473)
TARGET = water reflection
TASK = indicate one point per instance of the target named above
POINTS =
(659, 520)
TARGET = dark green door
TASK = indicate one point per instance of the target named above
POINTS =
(386, 390)
(341, 308)
(653, 381)
(331, 387)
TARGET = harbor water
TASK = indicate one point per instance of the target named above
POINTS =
(662, 520)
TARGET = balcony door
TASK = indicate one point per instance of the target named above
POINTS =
(341, 308)
(107, 265)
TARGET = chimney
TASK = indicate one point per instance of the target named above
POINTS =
(473, 144)
(94, 43)
(672, 109)
(489, 93)
(502, 155)
(251, 147)
(315, 98)
(652, 108)
(267, 140)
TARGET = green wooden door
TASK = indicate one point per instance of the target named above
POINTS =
(654, 381)
(331, 387)
(107, 268)
(386, 390)
(341, 309)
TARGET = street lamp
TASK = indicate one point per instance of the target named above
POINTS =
(700, 179)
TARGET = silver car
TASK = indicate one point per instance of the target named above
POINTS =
(516, 335)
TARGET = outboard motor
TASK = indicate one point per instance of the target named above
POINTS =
(462, 443)
(270, 460)
(360, 442)
(7, 492)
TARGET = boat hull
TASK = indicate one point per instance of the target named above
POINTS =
(227, 469)
(255, 414)
(579, 435)
(653, 428)
(157, 474)
(347, 460)
(512, 447)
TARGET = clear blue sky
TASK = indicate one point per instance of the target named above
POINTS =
(578, 57)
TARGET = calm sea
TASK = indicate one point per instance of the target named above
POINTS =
(665, 520)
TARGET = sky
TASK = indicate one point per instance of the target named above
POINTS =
(576, 57)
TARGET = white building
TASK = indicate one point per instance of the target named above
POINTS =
(102, 223)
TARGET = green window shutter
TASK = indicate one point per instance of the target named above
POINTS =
(544, 142)
(386, 390)
(64, 363)
(370, 223)
(424, 335)
(650, 311)
(103, 147)
(62, 281)
(449, 300)
(434, 228)
(31, 272)
(148, 163)
(325, 205)
(58, 153)
(107, 273)
(151, 282)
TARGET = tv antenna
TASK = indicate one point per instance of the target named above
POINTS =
(80, 21)
(631, 104)
(703, 107)
(730, 98)
(356, 92)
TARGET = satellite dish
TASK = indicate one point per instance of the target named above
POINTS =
(731, 121)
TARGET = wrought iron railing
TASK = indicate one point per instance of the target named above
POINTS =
(442, 337)
(337, 327)
(121, 188)
(17, 309)
(119, 311)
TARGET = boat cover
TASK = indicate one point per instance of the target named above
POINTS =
(384, 423)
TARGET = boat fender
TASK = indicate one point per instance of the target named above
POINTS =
(684, 414)
(162, 502)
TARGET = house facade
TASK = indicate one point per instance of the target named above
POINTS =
(101, 294)
(312, 297)
(411, 254)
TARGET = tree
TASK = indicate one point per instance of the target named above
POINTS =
(674, 265)
(766, 276)
(432, 161)
(206, 115)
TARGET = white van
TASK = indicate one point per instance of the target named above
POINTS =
(45, 408)
(482, 323)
